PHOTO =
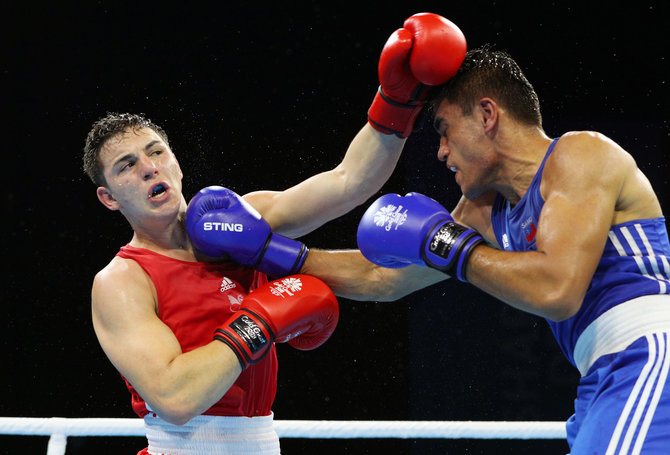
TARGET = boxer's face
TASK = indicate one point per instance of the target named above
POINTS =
(142, 174)
(465, 148)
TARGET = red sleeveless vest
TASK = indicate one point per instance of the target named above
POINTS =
(194, 298)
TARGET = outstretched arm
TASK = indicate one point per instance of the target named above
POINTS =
(581, 205)
(352, 276)
(368, 163)
(427, 50)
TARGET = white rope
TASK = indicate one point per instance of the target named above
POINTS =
(327, 429)
(71, 427)
(60, 428)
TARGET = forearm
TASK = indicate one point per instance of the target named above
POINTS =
(529, 281)
(352, 276)
(366, 166)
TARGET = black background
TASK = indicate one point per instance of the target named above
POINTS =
(261, 96)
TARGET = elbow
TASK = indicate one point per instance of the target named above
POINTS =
(174, 414)
(175, 409)
(560, 305)
(388, 296)
(392, 294)
(395, 284)
(373, 286)
(389, 285)
(178, 420)
(559, 313)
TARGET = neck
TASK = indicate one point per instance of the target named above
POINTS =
(520, 156)
(167, 237)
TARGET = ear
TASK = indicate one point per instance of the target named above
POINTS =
(107, 199)
(181, 174)
(488, 110)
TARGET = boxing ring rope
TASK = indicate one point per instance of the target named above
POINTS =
(58, 429)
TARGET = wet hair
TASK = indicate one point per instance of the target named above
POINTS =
(106, 128)
(486, 72)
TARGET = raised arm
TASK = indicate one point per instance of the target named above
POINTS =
(368, 163)
(428, 50)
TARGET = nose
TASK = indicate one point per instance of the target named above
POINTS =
(148, 168)
(443, 150)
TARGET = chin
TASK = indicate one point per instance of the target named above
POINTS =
(471, 194)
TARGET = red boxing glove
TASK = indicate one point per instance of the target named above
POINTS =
(427, 51)
(300, 309)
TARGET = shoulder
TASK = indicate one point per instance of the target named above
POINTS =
(121, 281)
(589, 147)
(584, 156)
(118, 270)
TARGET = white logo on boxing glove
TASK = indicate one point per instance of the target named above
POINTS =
(249, 328)
(389, 216)
(288, 286)
(216, 226)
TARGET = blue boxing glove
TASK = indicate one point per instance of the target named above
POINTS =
(397, 231)
(220, 222)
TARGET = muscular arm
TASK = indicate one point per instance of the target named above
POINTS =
(367, 165)
(477, 215)
(176, 385)
(352, 276)
(580, 201)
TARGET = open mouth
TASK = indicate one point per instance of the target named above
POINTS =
(158, 191)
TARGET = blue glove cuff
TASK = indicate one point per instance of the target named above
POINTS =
(282, 256)
(448, 247)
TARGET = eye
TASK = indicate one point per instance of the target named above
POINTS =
(127, 164)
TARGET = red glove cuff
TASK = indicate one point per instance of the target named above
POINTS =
(248, 335)
(391, 117)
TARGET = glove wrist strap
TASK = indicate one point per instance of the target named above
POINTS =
(248, 335)
(448, 247)
(391, 117)
(282, 256)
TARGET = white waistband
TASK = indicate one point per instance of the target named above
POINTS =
(206, 434)
(618, 327)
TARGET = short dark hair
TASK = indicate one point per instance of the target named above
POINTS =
(488, 72)
(104, 129)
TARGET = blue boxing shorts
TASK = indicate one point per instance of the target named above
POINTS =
(623, 401)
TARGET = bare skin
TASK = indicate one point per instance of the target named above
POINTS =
(589, 184)
(144, 183)
(490, 153)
